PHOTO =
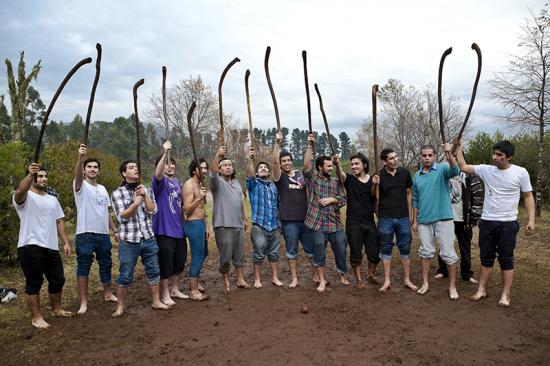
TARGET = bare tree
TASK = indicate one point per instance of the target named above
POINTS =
(523, 88)
(409, 120)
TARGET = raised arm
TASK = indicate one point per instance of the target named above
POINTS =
(220, 154)
(250, 163)
(339, 172)
(276, 162)
(159, 169)
(466, 168)
(26, 183)
(308, 155)
(79, 168)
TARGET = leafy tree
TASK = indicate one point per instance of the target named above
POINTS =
(18, 94)
(523, 88)
(4, 121)
(345, 145)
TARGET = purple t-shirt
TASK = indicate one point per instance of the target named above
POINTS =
(168, 220)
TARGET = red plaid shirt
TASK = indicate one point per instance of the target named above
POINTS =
(327, 218)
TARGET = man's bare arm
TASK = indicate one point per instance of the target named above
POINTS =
(308, 155)
(25, 185)
(79, 168)
(220, 154)
(466, 168)
(276, 162)
(529, 202)
(62, 233)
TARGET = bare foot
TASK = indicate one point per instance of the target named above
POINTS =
(110, 297)
(293, 283)
(408, 284)
(83, 308)
(118, 312)
(322, 286)
(40, 323)
(276, 282)
(62, 313)
(360, 284)
(373, 280)
(226, 286)
(439, 276)
(473, 280)
(178, 294)
(316, 279)
(198, 296)
(167, 300)
(257, 284)
(161, 306)
(453, 293)
(242, 284)
(343, 279)
(385, 287)
(504, 301)
(422, 290)
(480, 294)
(200, 287)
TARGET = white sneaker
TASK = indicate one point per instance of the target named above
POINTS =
(473, 280)
(10, 296)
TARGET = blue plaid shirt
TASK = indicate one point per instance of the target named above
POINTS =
(264, 203)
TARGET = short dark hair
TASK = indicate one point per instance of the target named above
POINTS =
(262, 162)
(284, 153)
(91, 160)
(123, 165)
(160, 157)
(363, 159)
(385, 152)
(320, 161)
(506, 147)
(194, 164)
(428, 147)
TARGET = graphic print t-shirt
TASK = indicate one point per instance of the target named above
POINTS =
(168, 220)
(293, 196)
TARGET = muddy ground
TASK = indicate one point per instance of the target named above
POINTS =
(344, 326)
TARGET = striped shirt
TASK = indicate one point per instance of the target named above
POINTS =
(327, 218)
(139, 226)
(264, 202)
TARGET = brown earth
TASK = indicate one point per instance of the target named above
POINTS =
(266, 327)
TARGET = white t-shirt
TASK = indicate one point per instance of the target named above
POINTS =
(92, 209)
(38, 215)
(502, 191)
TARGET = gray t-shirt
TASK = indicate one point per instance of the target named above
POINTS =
(228, 202)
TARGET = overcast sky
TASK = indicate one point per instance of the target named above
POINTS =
(351, 45)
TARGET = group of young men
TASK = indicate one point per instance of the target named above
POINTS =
(153, 223)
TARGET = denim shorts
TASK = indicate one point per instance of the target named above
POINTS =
(401, 228)
(294, 231)
(337, 241)
(128, 254)
(266, 244)
(86, 245)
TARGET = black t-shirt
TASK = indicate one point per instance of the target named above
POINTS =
(293, 196)
(393, 193)
(360, 203)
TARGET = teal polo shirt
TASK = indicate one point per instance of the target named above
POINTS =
(431, 193)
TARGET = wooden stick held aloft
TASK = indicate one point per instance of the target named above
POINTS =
(220, 101)
(266, 68)
(332, 149)
(439, 96)
(475, 47)
(138, 139)
(92, 94)
(247, 92)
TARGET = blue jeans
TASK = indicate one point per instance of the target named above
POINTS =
(338, 244)
(401, 228)
(265, 243)
(128, 254)
(195, 230)
(294, 231)
(86, 245)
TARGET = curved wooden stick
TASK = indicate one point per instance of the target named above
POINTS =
(325, 120)
(475, 47)
(165, 113)
(52, 103)
(266, 68)
(92, 94)
(439, 97)
(138, 140)
(304, 59)
(220, 104)
(190, 129)
(247, 92)
(374, 126)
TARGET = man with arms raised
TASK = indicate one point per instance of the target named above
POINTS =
(134, 206)
(38, 249)
(228, 218)
(498, 227)
(168, 227)
(92, 228)
(326, 197)
(360, 227)
(264, 204)
(292, 189)
(395, 216)
(433, 215)
(196, 223)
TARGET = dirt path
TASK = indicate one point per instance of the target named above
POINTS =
(266, 327)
